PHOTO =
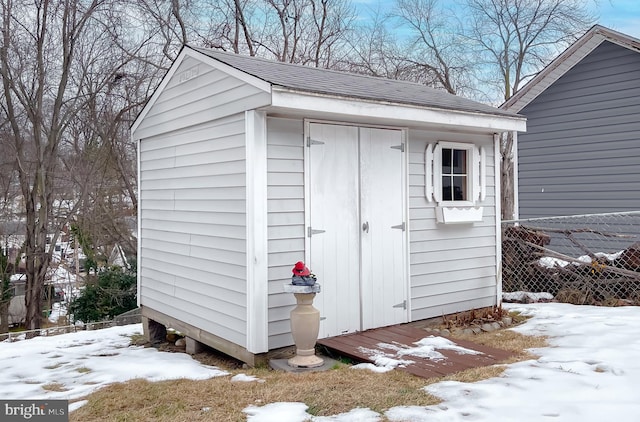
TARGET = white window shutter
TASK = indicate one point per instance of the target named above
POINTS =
(437, 172)
(475, 172)
(483, 173)
(428, 173)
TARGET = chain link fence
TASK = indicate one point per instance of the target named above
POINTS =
(586, 259)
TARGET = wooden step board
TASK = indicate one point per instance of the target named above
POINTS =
(394, 343)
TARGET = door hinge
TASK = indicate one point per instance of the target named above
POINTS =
(400, 147)
(402, 226)
(402, 305)
(311, 232)
(312, 142)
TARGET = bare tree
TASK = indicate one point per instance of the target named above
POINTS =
(435, 49)
(373, 48)
(517, 38)
(310, 32)
(333, 22)
(51, 55)
(514, 39)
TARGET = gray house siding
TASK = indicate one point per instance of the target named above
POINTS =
(285, 220)
(581, 152)
(452, 267)
(193, 226)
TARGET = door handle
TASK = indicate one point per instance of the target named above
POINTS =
(365, 227)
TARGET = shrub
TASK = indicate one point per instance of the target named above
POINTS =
(108, 294)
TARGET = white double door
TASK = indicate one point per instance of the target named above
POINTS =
(357, 245)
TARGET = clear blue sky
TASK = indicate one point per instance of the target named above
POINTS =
(620, 15)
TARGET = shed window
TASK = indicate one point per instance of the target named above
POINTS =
(455, 179)
(455, 174)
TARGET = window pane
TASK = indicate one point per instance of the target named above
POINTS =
(446, 161)
(459, 161)
(459, 188)
(446, 188)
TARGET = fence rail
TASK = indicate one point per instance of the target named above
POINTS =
(130, 317)
(584, 259)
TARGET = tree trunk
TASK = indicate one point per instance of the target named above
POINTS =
(507, 176)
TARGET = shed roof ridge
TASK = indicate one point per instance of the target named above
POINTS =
(307, 79)
(317, 69)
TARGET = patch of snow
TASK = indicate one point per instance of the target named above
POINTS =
(588, 373)
(428, 345)
(408, 414)
(522, 296)
(382, 359)
(609, 256)
(278, 412)
(85, 361)
(354, 415)
(245, 378)
(77, 405)
(372, 367)
(549, 262)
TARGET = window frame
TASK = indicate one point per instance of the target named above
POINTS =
(469, 174)
(476, 180)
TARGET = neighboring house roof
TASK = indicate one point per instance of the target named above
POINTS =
(343, 84)
(565, 61)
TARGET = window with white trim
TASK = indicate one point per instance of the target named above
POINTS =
(455, 178)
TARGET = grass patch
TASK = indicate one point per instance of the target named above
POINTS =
(507, 340)
(138, 340)
(325, 393)
(55, 366)
(83, 370)
(54, 386)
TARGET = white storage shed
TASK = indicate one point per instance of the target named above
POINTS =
(387, 190)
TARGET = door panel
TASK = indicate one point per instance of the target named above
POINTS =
(334, 208)
(355, 177)
(383, 281)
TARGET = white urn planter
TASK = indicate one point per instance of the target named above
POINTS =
(305, 325)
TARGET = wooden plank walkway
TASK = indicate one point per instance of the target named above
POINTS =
(398, 343)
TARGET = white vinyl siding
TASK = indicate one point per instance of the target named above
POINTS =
(193, 226)
(452, 267)
(198, 93)
(286, 235)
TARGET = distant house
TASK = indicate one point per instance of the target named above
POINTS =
(386, 189)
(581, 152)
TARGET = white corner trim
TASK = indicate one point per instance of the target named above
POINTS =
(498, 217)
(405, 210)
(256, 226)
(307, 190)
(139, 228)
(483, 173)
(516, 186)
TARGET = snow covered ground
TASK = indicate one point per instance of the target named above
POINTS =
(590, 372)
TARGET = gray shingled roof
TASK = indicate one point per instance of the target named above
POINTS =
(350, 85)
